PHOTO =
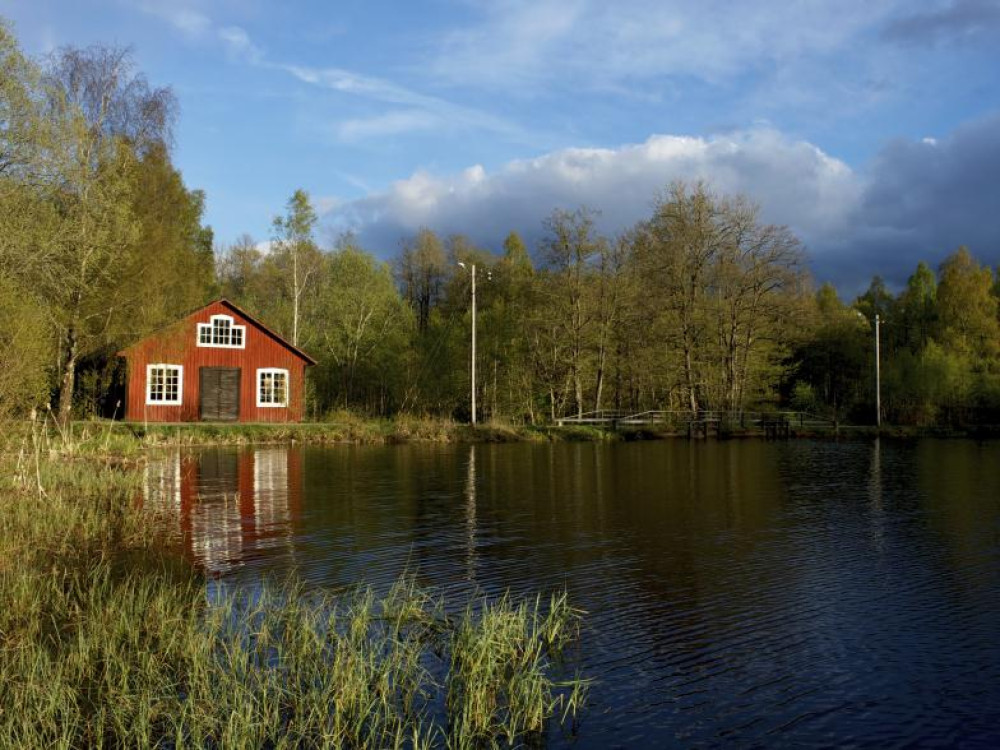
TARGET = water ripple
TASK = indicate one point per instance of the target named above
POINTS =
(738, 593)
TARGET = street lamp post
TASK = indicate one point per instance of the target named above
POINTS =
(878, 366)
(472, 367)
(878, 376)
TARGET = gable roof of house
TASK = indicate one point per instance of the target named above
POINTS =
(243, 314)
(268, 331)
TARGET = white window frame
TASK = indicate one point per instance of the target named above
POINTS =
(210, 325)
(288, 386)
(149, 385)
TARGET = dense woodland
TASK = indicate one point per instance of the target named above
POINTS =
(700, 306)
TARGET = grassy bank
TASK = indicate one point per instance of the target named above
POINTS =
(108, 640)
(122, 439)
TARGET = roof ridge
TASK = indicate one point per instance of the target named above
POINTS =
(277, 337)
(235, 308)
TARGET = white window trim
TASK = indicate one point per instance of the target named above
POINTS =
(149, 385)
(288, 387)
(232, 327)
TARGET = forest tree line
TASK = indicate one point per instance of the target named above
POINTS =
(702, 305)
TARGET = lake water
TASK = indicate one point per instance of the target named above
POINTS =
(739, 593)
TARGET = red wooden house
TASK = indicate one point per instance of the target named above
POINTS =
(218, 365)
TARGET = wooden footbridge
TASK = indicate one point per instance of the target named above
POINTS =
(704, 423)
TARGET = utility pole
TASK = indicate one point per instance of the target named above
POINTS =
(878, 370)
(473, 365)
(472, 268)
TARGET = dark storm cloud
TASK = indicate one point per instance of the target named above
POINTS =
(917, 200)
(921, 201)
(959, 20)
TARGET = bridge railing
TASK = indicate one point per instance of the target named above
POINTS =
(617, 417)
(602, 416)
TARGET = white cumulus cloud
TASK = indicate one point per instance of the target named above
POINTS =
(795, 183)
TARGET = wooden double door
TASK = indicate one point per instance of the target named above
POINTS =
(219, 389)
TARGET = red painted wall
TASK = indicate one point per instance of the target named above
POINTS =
(177, 345)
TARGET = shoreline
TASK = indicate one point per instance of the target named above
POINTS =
(125, 443)
(105, 437)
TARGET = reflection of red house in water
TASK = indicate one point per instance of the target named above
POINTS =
(218, 364)
(231, 505)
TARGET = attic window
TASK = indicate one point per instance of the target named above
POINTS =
(222, 332)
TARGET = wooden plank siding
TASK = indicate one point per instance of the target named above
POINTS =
(177, 344)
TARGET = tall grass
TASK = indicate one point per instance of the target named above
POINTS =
(122, 439)
(107, 640)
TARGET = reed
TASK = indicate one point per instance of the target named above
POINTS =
(108, 640)
(501, 655)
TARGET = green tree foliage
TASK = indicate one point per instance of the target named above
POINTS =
(940, 353)
(832, 363)
(421, 271)
(967, 308)
(26, 351)
(97, 225)
(169, 268)
(718, 285)
(927, 385)
(877, 300)
(508, 355)
(19, 136)
(240, 278)
(85, 195)
(437, 291)
(353, 319)
(365, 333)
(917, 308)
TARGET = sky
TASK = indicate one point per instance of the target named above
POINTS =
(871, 127)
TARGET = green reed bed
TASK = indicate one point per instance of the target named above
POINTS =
(106, 640)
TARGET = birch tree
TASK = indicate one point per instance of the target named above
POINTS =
(295, 250)
(756, 276)
(98, 116)
(611, 276)
(676, 250)
(568, 249)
